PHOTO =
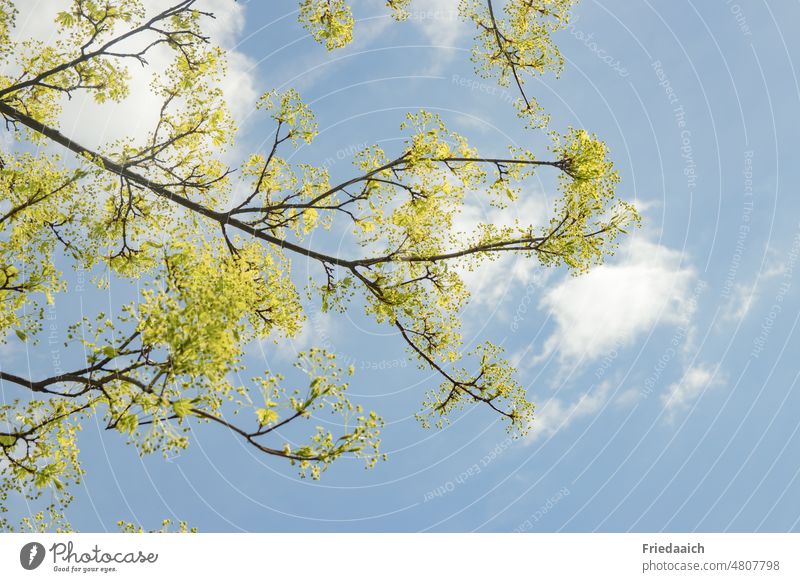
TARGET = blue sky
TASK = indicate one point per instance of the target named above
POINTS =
(665, 382)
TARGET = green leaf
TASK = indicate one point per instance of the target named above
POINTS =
(182, 407)
(266, 416)
(128, 423)
(65, 19)
(21, 335)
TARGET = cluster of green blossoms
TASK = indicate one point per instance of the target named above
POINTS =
(331, 21)
(516, 43)
(211, 276)
(166, 525)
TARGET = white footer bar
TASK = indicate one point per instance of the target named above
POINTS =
(407, 557)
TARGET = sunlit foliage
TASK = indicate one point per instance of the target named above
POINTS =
(214, 276)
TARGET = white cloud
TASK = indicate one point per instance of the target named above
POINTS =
(695, 381)
(743, 296)
(95, 124)
(307, 69)
(439, 21)
(555, 414)
(491, 280)
(614, 303)
(775, 264)
(627, 398)
(318, 331)
(739, 302)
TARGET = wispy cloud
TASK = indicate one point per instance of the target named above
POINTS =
(741, 297)
(695, 381)
(556, 414)
(439, 22)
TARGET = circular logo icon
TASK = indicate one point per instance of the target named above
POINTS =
(31, 555)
